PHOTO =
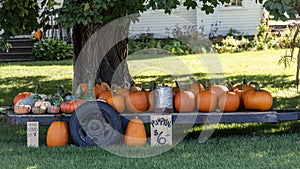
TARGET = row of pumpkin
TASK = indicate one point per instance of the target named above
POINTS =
(135, 99)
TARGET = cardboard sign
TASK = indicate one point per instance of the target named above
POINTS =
(32, 134)
(161, 130)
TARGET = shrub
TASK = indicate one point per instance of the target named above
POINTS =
(52, 49)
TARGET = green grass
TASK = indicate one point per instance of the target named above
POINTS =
(246, 145)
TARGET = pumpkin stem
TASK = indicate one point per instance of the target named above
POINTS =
(154, 85)
(177, 84)
(206, 86)
(61, 117)
(244, 81)
(230, 86)
(257, 88)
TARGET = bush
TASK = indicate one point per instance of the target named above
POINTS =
(52, 49)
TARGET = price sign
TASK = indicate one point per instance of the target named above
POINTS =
(161, 130)
(32, 134)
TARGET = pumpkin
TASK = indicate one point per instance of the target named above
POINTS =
(67, 107)
(184, 101)
(40, 107)
(218, 89)
(176, 88)
(196, 88)
(57, 134)
(135, 134)
(229, 101)
(136, 101)
(117, 102)
(244, 86)
(257, 99)
(100, 87)
(22, 109)
(54, 109)
(105, 94)
(207, 100)
(38, 34)
(21, 96)
(151, 100)
(122, 92)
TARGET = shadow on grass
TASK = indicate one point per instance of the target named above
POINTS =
(29, 83)
(249, 129)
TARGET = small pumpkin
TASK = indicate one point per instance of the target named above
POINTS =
(136, 101)
(38, 34)
(207, 100)
(57, 134)
(244, 86)
(135, 134)
(257, 99)
(229, 101)
(21, 96)
(99, 87)
(117, 102)
(67, 107)
(184, 101)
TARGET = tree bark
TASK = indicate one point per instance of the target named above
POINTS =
(101, 50)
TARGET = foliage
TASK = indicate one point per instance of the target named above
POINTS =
(52, 49)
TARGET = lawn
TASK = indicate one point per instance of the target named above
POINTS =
(249, 145)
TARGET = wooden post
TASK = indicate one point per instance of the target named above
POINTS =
(32, 134)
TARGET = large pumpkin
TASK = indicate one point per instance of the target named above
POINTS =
(137, 101)
(184, 101)
(207, 100)
(135, 134)
(57, 134)
(257, 99)
(21, 96)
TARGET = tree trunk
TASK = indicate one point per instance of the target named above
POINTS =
(101, 50)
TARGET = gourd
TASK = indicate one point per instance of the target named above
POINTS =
(184, 101)
(135, 134)
(57, 134)
(40, 107)
(207, 100)
(257, 99)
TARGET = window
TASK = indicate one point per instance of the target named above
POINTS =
(234, 3)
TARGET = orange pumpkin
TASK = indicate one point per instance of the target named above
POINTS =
(135, 134)
(67, 107)
(137, 101)
(196, 88)
(207, 100)
(229, 101)
(184, 101)
(257, 99)
(57, 134)
(21, 96)
(104, 95)
(244, 86)
(151, 100)
(218, 89)
(117, 102)
(101, 87)
(38, 34)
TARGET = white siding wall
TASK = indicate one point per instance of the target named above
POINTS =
(244, 19)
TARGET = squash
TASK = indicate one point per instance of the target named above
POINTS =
(257, 99)
(207, 100)
(135, 134)
(229, 101)
(40, 107)
(22, 109)
(184, 101)
(57, 134)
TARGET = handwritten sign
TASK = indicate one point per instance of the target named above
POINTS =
(32, 134)
(161, 130)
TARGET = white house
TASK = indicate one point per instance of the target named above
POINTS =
(241, 15)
